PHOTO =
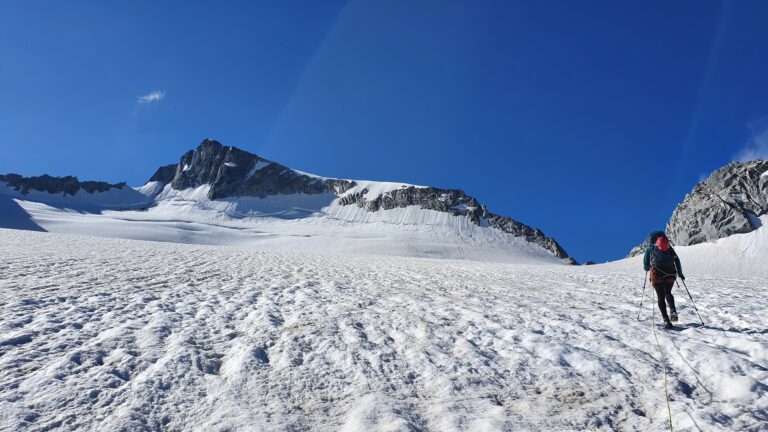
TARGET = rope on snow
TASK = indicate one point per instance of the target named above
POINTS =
(664, 364)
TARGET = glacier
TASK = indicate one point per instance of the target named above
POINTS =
(116, 334)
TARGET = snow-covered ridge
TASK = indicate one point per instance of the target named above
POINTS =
(371, 190)
(220, 186)
(123, 197)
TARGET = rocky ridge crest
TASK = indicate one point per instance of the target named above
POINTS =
(458, 203)
(68, 185)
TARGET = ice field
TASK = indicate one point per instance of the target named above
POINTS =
(114, 334)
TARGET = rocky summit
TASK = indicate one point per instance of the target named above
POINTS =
(232, 172)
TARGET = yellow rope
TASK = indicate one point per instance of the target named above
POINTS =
(664, 363)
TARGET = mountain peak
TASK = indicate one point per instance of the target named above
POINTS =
(231, 173)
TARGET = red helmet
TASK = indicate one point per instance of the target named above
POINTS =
(662, 243)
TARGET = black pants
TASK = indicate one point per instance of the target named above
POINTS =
(664, 292)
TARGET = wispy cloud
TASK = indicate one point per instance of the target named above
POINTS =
(153, 97)
(757, 144)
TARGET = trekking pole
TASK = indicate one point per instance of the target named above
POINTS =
(645, 280)
(692, 302)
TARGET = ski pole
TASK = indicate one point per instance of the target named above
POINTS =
(645, 280)
(692, 302)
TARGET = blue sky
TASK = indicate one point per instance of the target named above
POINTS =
(589, 120)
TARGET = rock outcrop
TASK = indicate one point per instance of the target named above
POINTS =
(68, 185)
(164, 174)
(458, 203)
(727, 202)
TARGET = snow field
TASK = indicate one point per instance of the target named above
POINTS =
(112, 334)
(308, 223)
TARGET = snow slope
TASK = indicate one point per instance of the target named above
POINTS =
(738, 256)
(298, 222)
(113, 334)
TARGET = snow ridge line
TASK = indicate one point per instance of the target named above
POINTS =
(664, 364)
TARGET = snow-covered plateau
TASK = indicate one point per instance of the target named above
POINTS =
(291, 222)
(114, 334)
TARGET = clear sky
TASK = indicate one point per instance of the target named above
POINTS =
(588, 119)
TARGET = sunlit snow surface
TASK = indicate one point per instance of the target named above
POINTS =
(111, 334)
(295, 222)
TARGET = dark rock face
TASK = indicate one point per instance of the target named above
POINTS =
(727, 202)
(232, 172)
(68, 185)
(164, 174)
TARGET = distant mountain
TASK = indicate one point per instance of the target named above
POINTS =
(223, 186)
(71, 193)
(730, 201)
(68, 185)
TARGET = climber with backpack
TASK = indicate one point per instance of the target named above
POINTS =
(663, 265)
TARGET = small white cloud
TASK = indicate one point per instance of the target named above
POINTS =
(153, 97)
(757, 144)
